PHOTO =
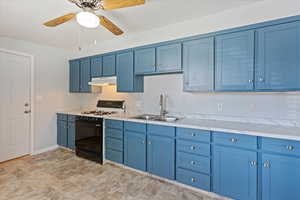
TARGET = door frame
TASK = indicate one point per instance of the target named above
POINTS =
(32, 102)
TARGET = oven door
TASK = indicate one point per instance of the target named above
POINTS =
(89, 136)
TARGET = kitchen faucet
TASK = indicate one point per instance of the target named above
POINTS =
(162, 104)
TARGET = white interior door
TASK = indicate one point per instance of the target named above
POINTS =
(14, 101)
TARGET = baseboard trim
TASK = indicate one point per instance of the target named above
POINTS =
(45, 150)
(209, 194)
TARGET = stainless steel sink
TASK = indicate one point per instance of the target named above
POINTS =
(156, 118)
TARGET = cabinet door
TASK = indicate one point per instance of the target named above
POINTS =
(235, 173)
(85, 75)
(74, 76)
(144, 61)
(125, 74)
(161, 156)
(135, 150)
(280, 177)
(109, 65)
(96, 67)
(235, 62)
(169, 58)
(278, 57)
(198, 65)
(71, 135)
(62, 133)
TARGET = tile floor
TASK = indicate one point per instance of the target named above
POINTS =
(60, 175)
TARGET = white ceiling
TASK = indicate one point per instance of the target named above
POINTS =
(23, 19)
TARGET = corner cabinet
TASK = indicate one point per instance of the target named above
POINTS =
(127, 81)
(235, 62)
(278, 57)
(198, 65)
(80, 75)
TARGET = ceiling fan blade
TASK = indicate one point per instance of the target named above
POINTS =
(60, 20)
(115, 4)
(110, 26)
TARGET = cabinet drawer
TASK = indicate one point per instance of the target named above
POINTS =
(115, 144)
(290, 147)
(114, 133)
(115, 124)
(62, 117)
(193, 162)
(161, 130)
(135, 127)
(236, 140)
(194, 179)
(115, 156)
(193, 147)
(71, 118)
(193, 134)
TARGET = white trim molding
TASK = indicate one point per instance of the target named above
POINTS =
(45, 150)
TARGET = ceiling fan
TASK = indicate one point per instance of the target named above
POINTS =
(89, 19)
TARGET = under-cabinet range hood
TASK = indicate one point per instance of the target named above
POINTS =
(103, 81)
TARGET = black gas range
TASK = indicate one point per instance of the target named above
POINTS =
(89, 130)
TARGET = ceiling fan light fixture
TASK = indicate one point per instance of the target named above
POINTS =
(87, 19)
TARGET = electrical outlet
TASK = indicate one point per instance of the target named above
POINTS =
(220, 107)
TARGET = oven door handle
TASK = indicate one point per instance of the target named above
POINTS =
(98, 125)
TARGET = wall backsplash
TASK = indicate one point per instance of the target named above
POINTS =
(282, 108)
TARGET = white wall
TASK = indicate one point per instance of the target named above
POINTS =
(281, 107)
(51, 87)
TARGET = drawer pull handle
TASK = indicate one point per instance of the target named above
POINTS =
(193, 134)
(193, 162)
(253, 163)
(233, 140)
(290, 148)
(143, 142)
(193, 180)
(193, 148)
(149, 142)
(266, 165)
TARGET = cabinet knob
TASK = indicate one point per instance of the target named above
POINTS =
(193, 134)
(149, 142)
(250, 81)
(261, 79)
(289, 147)
(193, 180)
(266, 165)
(143, 142)
(233, 140)
(193, 162)
(193, 147)
(253, 163)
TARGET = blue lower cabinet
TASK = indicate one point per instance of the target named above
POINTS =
(62, 133)
(161, 156)
(194, 179)
(135, 150)
(113, 155)
(235, 173)
(71, 135)
(280, 177)
(193, 162)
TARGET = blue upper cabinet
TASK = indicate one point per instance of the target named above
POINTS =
(277, 56)
(96, 66)
(168, 58)
(198, 64)
(74, 79)
(127, 81)
(144, 61)
(235, 62)
(235, 173)
(85, 75)
(280, 177)
(109, 65)
(161, 156)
